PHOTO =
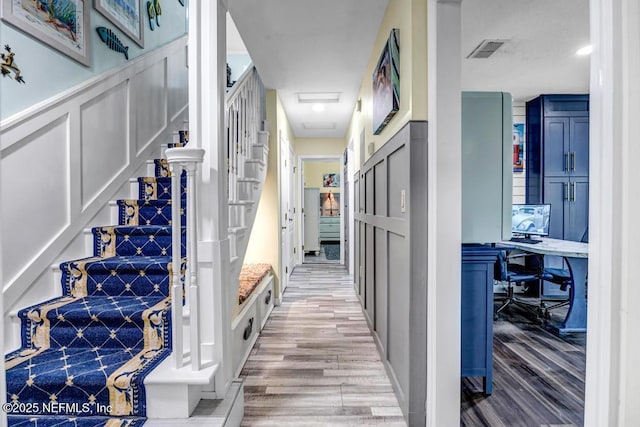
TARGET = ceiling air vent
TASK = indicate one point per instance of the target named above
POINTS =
(486, 48)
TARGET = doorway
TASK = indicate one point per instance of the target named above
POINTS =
(321, 195)
(287, 209)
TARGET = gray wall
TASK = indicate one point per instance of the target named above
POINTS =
(391, 260)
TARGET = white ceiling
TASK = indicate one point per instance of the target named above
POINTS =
(539, 55)
(324, 46)
(311, 46)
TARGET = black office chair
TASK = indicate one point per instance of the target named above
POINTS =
(514, 273)
(562, 277)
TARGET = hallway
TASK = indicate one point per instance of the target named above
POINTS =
(315, 362)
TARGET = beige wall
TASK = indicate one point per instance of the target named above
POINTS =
(314, 171)
(317, 146)
(264, 244)
(410, 17)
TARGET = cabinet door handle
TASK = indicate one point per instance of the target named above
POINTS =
(573, 193)
(573, 161)
(566, 192)
(566, 161)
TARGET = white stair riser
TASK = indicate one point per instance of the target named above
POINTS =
(232, 245)
(246, 190)
(254, 170)
(259, 152)
(236, 216)
(172, 400)
(151, 168)
(263, 138)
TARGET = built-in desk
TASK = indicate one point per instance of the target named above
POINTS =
(576, 256)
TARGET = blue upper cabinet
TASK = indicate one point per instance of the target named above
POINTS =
(558, 161)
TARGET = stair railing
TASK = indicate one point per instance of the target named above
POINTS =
(180, 159)
(243, 117)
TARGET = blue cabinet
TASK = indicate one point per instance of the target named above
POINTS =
(477, 313)
(329, 228)
(558, 161)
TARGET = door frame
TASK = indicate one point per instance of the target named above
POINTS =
(281, 199)
(610, 373)
(300, 191)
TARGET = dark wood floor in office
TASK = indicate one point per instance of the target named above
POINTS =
(538, 378)
(315, 362)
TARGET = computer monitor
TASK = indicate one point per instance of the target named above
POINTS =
(530, 220)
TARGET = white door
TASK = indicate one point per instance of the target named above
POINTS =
(291, 217)
(286, 210)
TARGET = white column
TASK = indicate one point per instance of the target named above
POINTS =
(444, 214)
(207, 82)
(613, 348)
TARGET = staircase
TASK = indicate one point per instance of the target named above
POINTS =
(87, 357)
(85, 354)
(248, 143)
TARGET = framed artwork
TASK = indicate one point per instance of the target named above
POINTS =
(62, 24)
(331, 180)
(126, 15)
(330, 204)
(518, 147)
(386, 83)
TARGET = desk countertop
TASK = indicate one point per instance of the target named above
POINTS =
(565, 248)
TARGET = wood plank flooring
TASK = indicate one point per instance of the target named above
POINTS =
(315, 362)
(538, 378)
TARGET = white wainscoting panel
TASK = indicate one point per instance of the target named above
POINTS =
(177, 80)
(105, 140)
(65, 158)
(35, 194)
(150, 103)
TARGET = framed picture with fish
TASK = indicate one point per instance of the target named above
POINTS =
(127, 15)
(62, 24)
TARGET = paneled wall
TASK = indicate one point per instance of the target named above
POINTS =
(519, 178)
(65, 158)
(391, 260)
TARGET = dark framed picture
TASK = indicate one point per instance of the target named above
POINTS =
(518, 147)
(62, 24)
(126, 15)
(331, 180)
(386, 83)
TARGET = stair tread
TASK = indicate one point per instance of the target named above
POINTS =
(125, 261)
(147, 202)
(61, 420)
(241, 202)
(138, 229)
(102, 307)
(87, 369)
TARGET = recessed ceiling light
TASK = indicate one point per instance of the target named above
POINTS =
(318, 97)
(319, 125)
(586, 50)
(318, 108)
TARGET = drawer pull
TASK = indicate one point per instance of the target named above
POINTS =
(248, 329)
(267, 299)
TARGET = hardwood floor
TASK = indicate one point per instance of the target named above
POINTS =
(315, 362)
(538, 378)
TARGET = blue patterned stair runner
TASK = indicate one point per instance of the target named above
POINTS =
(84, 355)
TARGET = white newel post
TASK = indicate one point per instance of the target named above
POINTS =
(187, 159)
(176, 264)
(207, 84)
